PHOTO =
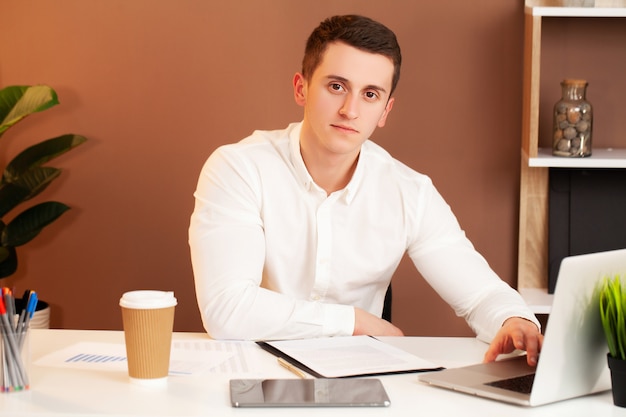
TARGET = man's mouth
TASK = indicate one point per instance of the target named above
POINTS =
(345, 128)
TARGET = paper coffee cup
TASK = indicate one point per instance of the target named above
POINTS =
(148, 319)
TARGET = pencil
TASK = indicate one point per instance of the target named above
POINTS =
(291, 368)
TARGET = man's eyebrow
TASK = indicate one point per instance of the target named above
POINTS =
(345, 80)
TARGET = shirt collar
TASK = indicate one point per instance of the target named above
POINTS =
(305, 178)
(302, 174)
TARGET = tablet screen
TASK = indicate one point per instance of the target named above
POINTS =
(352, 392)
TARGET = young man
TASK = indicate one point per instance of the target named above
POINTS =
(297, 232)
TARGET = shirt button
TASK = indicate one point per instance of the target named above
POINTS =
(315, 297)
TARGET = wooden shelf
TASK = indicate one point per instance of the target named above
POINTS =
(600, 158)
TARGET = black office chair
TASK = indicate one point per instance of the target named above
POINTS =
(387, 305)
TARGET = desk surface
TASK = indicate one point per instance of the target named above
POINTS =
(57, 391)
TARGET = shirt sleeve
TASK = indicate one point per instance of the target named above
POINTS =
(459, 274)
(227, 247)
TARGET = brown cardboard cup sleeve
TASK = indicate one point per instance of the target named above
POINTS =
(148, 320)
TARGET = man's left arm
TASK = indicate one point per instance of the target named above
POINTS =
(462, 277)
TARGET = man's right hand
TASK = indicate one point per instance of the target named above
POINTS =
(370, 325)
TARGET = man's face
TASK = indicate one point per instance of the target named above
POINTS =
(346, 98)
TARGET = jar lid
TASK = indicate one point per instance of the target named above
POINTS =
(574, 81)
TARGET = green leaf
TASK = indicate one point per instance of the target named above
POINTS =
(17, 102)
(36, 180)
(28, 185)
(40, 153)
(612, 301)
(605, 313)
(8, 264)
(4, 254)
(11, 195)
(23, 228)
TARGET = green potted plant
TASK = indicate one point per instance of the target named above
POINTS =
(26, 176)
(612, 299)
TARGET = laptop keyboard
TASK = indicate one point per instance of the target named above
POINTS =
(521, 384)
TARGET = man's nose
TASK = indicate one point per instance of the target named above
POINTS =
(350, 108)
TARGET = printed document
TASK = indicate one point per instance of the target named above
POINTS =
(332, 357)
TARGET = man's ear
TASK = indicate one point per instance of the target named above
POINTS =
(383, 117)
(299, 89)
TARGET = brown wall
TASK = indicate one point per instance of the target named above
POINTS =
(157, 85)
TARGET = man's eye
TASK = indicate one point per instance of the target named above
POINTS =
(336, 87)
(371, 95)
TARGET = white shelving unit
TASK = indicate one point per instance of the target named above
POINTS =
(535, 164)
(600, 158)
(573, 8)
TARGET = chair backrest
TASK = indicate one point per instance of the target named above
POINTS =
(387, 305)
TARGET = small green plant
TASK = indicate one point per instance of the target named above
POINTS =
(26, 175)
(612, 297)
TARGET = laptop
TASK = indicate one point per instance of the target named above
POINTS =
(573, 359)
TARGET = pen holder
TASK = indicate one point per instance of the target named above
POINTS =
(14, 358)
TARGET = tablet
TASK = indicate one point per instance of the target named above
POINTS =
(352, 392)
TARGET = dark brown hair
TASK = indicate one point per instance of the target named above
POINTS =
(357, 31)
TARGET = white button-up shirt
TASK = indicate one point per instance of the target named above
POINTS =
(275, 257)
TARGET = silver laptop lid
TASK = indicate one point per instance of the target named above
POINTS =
(573, 358)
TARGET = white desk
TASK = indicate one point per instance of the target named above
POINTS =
(57, 391)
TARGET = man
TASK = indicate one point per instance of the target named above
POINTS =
(297, 232)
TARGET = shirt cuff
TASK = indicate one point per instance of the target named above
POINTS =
(338, 320)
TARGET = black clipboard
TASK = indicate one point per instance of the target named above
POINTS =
(265, 345)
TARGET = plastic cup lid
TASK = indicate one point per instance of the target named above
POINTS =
(148, 299)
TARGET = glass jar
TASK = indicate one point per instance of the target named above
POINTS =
(573, 117)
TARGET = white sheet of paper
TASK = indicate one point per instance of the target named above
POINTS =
(187, 357)
(351, 355)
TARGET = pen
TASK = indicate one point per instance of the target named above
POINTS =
(29, 308)
(291, 368)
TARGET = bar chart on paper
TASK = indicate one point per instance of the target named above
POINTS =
(187, 357)
(91, 358)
